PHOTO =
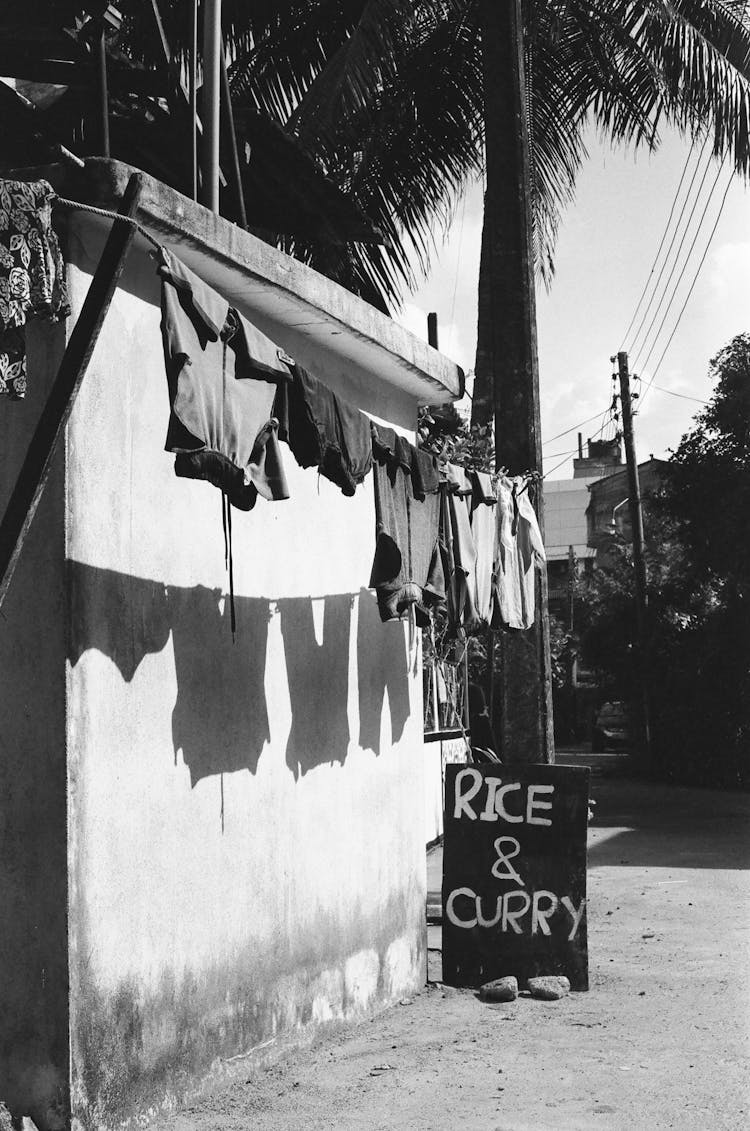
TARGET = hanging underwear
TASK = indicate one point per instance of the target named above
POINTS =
(324, 431)
(407, 570)
(222, 375)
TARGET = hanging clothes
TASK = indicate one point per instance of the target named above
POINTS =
(32, 274)
(222, 375)
(531, 553)
(458, 549)
(483, 529)
(519, 550)
(324, 431)
(407, 569)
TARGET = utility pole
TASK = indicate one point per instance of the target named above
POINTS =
(639, 560)
(507, 360)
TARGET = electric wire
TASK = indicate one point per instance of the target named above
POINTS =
(672, 241)
(687, 297)
(661, 244)
(678, 253)
(596, 416)
(685, 264)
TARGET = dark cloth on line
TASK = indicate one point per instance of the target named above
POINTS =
(222, 375)
(32, 274)
(458, 549)
(407, 569)
(323, 430)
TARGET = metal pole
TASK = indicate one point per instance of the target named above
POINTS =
(639, 561)
(193, 97)
(432, 329)
(226, 96)
(507, 359)
(211, 103)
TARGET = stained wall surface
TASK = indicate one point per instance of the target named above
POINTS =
(33, 872)
(246, 824)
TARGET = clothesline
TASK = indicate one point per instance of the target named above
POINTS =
(109, 215)
(446, 536)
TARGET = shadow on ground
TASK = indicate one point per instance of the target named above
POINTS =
(663, 826)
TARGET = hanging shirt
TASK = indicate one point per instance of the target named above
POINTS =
(483, 529)
(531, 554)
(324, 431)
(519, 550)
(458, 549)
(222, 375)
(32, 274)
(407, 569)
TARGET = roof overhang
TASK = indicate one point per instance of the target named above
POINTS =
(320, 324)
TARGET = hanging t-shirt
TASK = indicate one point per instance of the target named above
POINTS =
(222, 374)
(407, 569)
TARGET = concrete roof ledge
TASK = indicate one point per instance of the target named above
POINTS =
(319, 323)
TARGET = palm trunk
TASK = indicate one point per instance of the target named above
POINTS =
(507, 378)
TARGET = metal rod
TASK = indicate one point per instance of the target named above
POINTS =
(193, 97)
(226, 98)
(211, 103)
(35, 470)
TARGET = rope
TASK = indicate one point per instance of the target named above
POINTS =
(109, 215)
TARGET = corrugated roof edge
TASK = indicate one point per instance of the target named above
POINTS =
(280, 290)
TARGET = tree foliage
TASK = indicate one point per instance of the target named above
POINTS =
(698, 560)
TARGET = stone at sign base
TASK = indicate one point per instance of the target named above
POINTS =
(549, 988)
(502, 989)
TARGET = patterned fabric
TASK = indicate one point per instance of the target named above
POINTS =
(32, 274)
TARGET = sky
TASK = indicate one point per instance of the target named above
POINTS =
(607, 243)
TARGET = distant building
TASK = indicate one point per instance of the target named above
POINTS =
(608, 513)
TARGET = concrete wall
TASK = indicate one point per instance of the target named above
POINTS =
(437, 755)
(245, 850)
(33, 873)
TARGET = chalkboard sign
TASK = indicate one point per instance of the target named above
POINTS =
(514, 873)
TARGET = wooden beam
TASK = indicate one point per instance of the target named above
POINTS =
(34, 473)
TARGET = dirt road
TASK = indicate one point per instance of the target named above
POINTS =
(662, 1039)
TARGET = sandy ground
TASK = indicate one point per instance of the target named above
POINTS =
(661, 1040)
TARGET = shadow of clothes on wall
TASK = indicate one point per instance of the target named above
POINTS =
(318, 677)
(125, 618)
(220, 718)
(381, 659)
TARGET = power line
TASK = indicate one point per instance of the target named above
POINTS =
(682, 396)
(692, 286)
(672, 241)
(661, 244)
(567, 431)
(679, 251)
(687, 258)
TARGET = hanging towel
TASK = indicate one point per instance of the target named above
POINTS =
(407, 569)
(222, 375)
(483, 529)
(32, 274)
(324, 431)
